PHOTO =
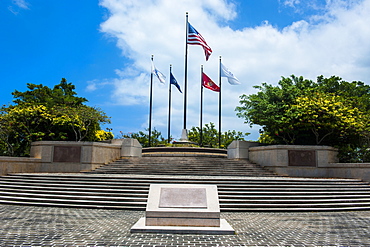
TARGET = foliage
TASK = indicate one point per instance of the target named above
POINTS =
(156, 138)
(102, 135)
(62, 94)
(210, 136)
(299, 111)
(42, 113)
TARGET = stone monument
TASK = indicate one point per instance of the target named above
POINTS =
(183, 208)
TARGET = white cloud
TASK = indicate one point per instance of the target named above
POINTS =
(21, 4)
(17, 5)
(334, 43)
(92, 85)
(291, 3)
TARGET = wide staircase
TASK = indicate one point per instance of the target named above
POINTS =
(190, 166)
(242, 186)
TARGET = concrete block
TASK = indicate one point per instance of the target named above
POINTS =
(131, 148)
(183, 205)
(240, 149)
(223, 229)
(184, 136)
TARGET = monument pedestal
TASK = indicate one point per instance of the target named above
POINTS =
(223, 229)
(183, 208)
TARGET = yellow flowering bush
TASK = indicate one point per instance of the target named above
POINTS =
(102, 135)
(43, 113)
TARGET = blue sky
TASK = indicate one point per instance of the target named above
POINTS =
(104, 49)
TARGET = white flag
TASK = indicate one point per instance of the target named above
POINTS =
(161, 77)
(225, 72)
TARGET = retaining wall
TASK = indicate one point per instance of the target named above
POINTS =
(18, 165)
(296, 161)
(300, 161)
(69, 157)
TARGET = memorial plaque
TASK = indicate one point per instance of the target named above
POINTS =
(302, 158)
(183, 198)
(67, 154)
(184, 209)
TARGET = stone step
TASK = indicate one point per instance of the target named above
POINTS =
(241, 184)
(235, 181)
(235, 193)
(225, 187)
(169, 165)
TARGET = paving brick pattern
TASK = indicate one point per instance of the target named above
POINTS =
(49, 226)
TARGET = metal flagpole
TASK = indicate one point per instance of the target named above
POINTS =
(201, 107)
(219, 108)
(186, 71)
(169, 107)
(150, 104)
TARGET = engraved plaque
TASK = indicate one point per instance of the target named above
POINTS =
(302, 158)
(67, 154)
(183, 198)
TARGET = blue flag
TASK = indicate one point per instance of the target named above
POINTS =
(174, 82)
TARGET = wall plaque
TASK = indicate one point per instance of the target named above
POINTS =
(67, 154)
(302, 158)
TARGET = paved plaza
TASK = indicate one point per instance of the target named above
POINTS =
(50, 226)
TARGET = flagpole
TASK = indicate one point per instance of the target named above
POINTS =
(186, 71)
(150, 104)
(201, 107)
(219, 108)
(169, 107)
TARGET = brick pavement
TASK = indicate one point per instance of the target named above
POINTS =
(48, 226)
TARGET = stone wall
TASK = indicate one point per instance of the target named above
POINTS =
(18, 165)
(67, 157)
(62, 156)
(300, 161)
(293, 155)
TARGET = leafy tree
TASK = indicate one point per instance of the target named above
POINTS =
(299, 111)
(42, 113)
(143, 138)
(210, 136)
(62, 94)
(231, 135)
(327, 116)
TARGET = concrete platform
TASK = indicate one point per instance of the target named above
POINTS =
(224, 229)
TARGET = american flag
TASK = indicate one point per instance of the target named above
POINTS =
(195, 38)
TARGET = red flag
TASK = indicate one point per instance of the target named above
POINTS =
(208, 83)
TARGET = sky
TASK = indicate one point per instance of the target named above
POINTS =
(104, 48)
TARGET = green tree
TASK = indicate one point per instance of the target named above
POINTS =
(299, 111)
(143, 138)
(41, 113)
(210, 136)
(62, 94)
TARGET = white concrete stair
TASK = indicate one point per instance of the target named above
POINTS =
(236, 193)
